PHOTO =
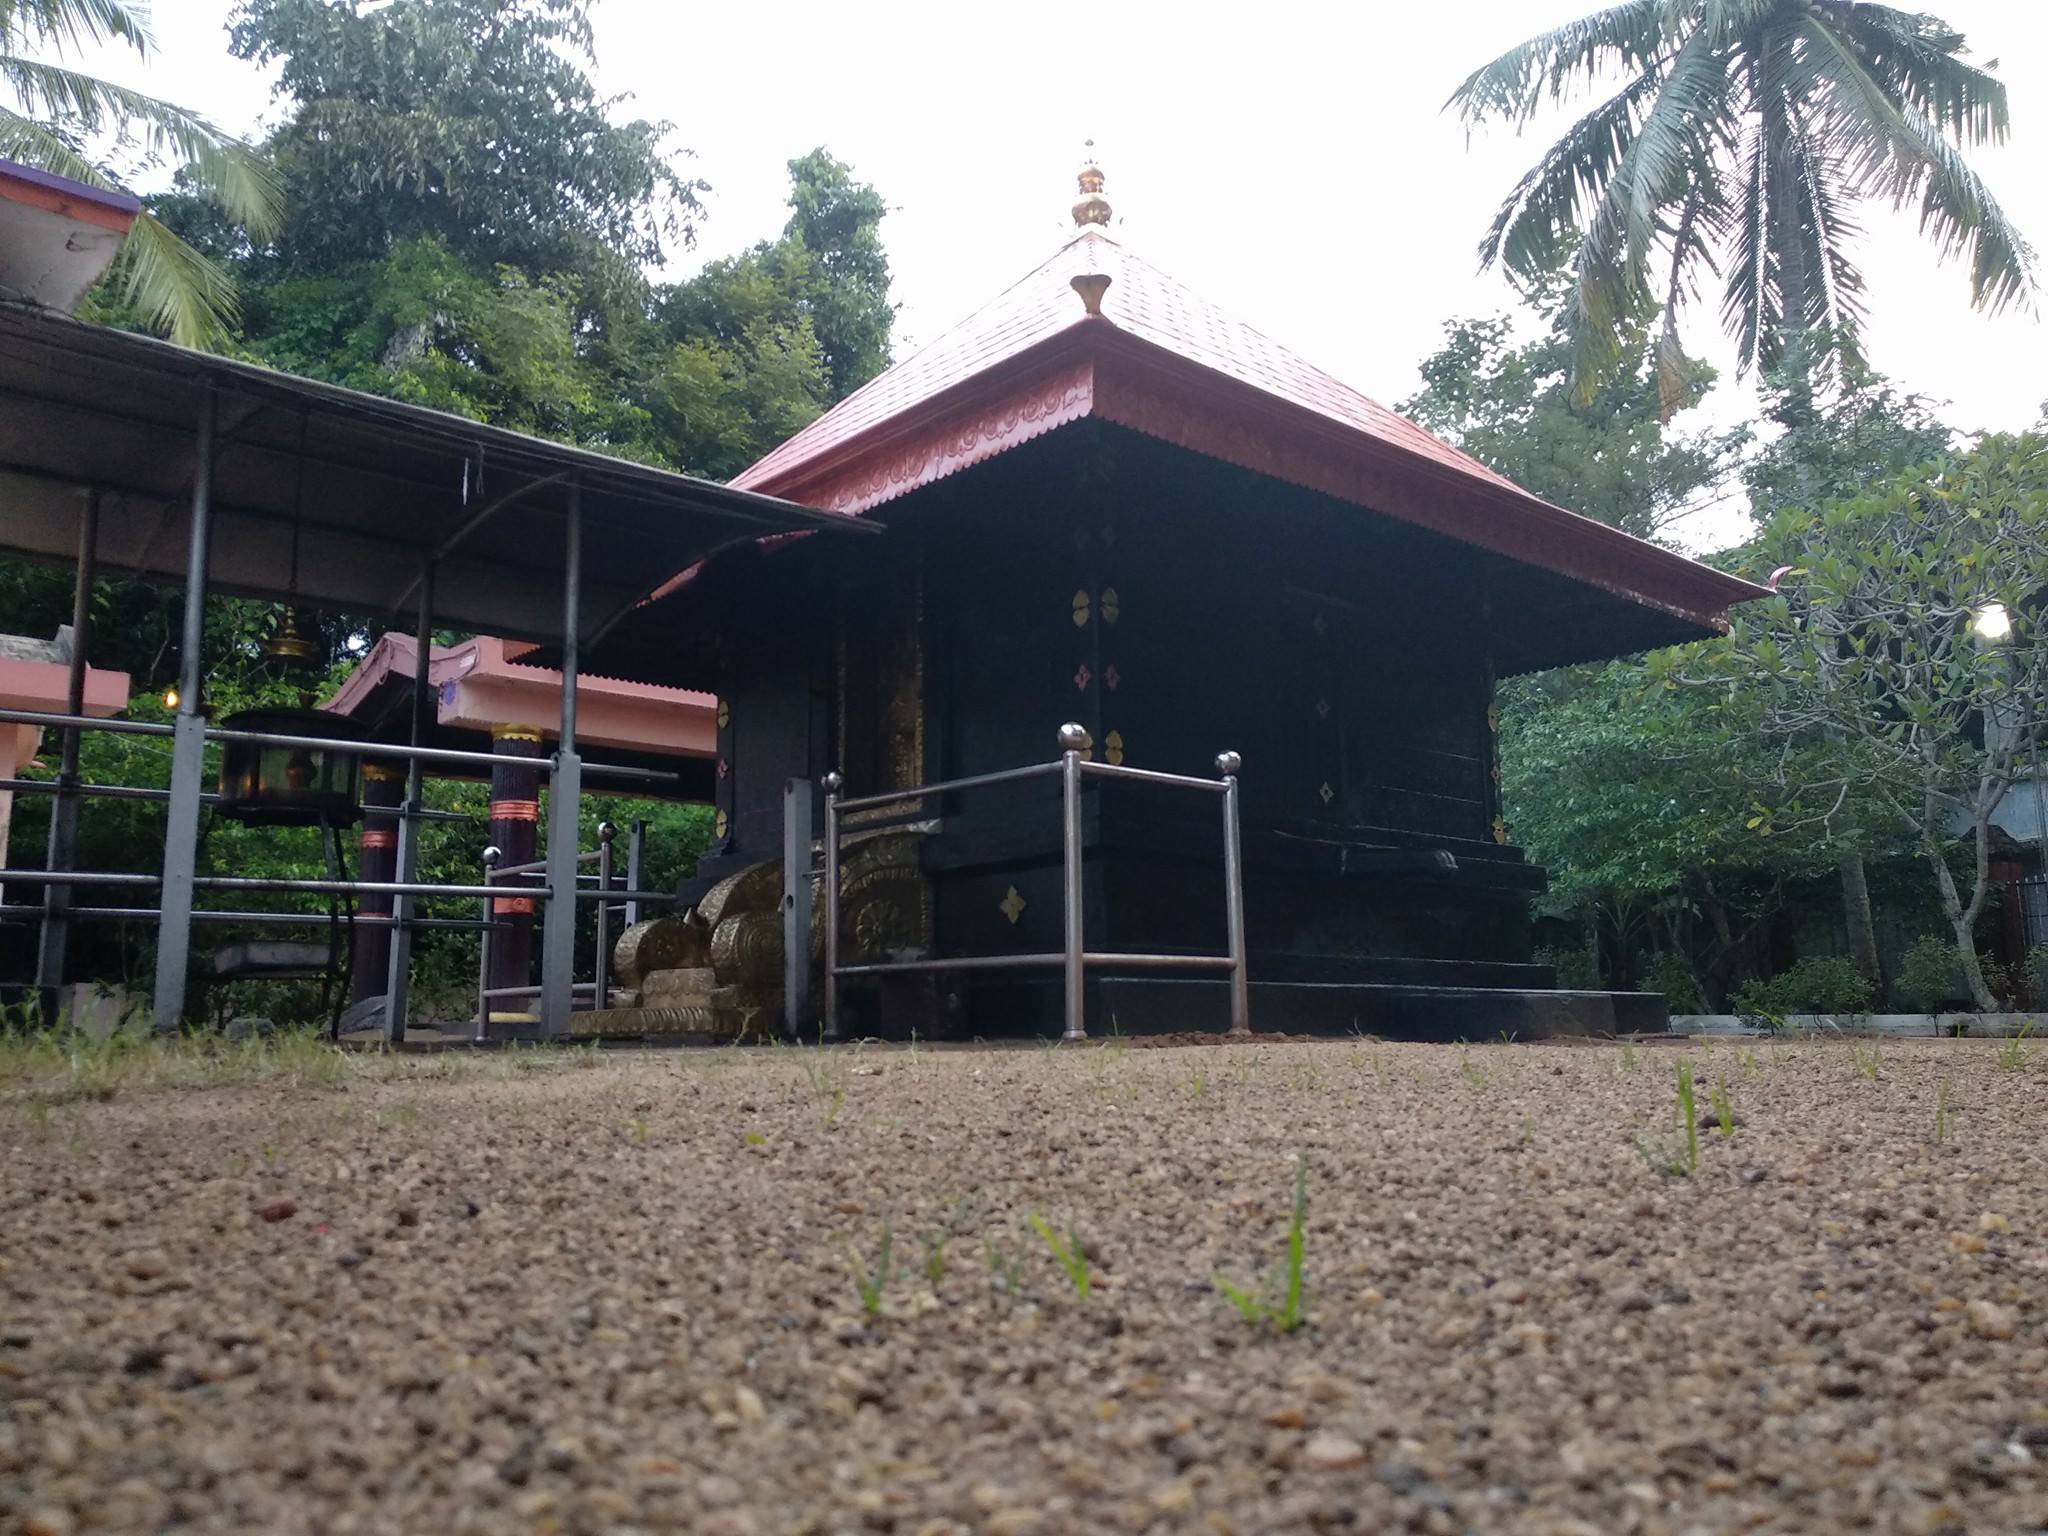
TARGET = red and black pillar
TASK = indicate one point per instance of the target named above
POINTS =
(376, 861)
(515, 831)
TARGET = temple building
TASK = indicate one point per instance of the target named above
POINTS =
(1106, 501)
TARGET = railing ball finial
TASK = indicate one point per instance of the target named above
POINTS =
(1227, 764)
(606, 831)
(492, 855)
(833, 782)
(1073, 737)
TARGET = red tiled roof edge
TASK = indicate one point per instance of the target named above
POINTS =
(1092, 368)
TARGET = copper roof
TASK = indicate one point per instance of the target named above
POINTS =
(1143, 302)
(1161, 360)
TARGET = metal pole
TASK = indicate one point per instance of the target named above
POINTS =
(1227, 764)
(188, 743)
(832, 782)
(55, 937)
(796, 907)
(605, 833)
(636, 867)
(565, 791)
(1072, 740)
(485, 922)
(398, 980)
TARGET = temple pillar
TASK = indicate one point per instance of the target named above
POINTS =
(515, 831)
(376, 861)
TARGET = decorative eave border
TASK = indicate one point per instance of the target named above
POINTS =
(1094, 369)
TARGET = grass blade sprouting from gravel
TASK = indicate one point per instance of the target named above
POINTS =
(1285, 1312)
(1724, 1108)
(871, 1283)
(1067, 1255)
(1687, 1118)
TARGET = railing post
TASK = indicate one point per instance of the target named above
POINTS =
(54, 939)
(602, 993)
(831, 784)
(483, 949)
(636, 868)
(1227, 764)
(796, 907)
(1073, 739)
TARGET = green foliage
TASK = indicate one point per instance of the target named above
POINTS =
(2012, 1051)
(1670, 974)
(473, 123)
(1735, 142)
(1723, 1107)
(1868, 671)
(1828, 984)
(1609, 456)
(1927, 973)
(1280, 1301)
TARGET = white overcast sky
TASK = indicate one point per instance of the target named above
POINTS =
(1288, 160)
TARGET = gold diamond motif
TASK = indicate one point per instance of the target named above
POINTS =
(1012, 905)
(724, 714)
(1327, 793)
(1113, 747)
(1500, 829)
(1110, 606)
(1493, 718)
(1082, 605)
(719, 823)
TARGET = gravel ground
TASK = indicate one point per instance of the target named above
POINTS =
(619, 1294)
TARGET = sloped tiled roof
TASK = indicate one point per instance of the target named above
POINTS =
(1143, 302)
(1162, 361)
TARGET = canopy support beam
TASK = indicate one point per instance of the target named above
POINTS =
(565, 793)
(188, 742)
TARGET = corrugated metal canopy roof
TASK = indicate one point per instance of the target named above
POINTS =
(372, 487)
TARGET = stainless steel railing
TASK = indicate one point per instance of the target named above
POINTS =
(1073, 958)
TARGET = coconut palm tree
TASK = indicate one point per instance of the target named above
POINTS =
(1736, 138)
(50, 116)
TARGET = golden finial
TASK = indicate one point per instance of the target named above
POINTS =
(1091, 207)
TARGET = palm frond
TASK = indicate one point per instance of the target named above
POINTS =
(1690, 116)
(1630, 35)
(1901, 152)
(75, 24)
(176, 288)
(1916, 59)
(1537, 221)
(239, 178)
(1747, 307)
(1815, 191)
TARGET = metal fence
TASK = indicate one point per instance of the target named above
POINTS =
(1073, 957)
(403, 920)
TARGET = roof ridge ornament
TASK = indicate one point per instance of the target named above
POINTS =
(1091, 207)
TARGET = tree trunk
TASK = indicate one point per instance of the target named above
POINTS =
(1856, 913)
(1965, 926)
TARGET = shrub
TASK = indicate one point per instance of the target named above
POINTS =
(1928, 974)
(1668, 973)
(1578, 970)
(1815, 984)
